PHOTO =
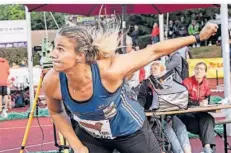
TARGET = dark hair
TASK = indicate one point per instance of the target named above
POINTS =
(202, 63)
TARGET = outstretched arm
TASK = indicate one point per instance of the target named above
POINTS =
(129, 63)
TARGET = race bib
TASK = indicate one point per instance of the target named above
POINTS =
(97, 129)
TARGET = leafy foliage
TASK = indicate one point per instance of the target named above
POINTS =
(17, 12)
(16, 55)
(145, 22)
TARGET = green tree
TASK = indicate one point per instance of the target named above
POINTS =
(12, 12)
(17, 12)
(145, 22)
(38, 23)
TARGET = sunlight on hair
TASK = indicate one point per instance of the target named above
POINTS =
(105, 37)
(98, 41)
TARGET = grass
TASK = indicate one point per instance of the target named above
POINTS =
(201, 52)
(206, 52)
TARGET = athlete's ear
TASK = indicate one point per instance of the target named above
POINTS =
(80, 57)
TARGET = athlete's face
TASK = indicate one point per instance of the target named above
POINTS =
(64, 56)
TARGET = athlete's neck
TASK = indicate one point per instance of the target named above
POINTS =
(79, 75)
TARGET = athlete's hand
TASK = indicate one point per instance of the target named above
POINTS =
(209, 29)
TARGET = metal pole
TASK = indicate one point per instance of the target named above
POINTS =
(30, 59)
(225, 139)
(28, 126)
(167, 26)
(161, 26)
(226, 58)
(45, 22)
(54, 20)
(225, 47)
(123, 28)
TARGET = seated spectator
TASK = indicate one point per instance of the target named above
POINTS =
(171, 29)
(184, 52)
(201, 123)
(182, 27)
(174, 62)
(176, 130)
(194, 29)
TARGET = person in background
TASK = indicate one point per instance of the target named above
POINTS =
(175, 129)
(174, 62)
(23, 63)
(8, 105)
(185, 53)
(201, 123)
(14, 65)
(171, 29)
(135, 78)
(135, 35)
(155, 33)
(4, 74)
(182, 27)
(194, 29)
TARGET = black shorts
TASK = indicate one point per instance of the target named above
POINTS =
(142, 141)
(3, 90)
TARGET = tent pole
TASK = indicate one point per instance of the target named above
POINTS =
(161, 26)
(123, 28)
(45, 23)
(54, 20)
(29, 55)
(226, 57)
(167, 26)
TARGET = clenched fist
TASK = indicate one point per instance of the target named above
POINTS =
(208, 30)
